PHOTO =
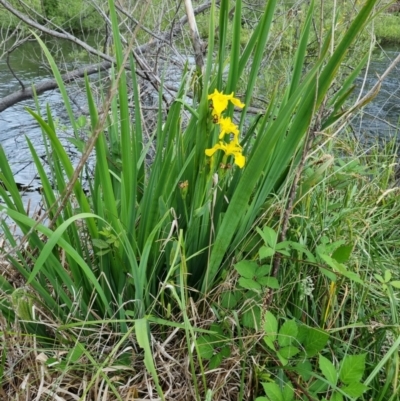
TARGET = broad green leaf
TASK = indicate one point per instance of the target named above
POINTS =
(103, 252)
(314, 340)
(101, 244)
(262, 271)
(352, 276)
(284, 361)
(289, 351)
(268, 235)
(270, 325)
(52, 362)
(273, 391)
(271, 329)
(270, 282)
(284, 247)
(304, 369)
(339, 267)
(318, 386)
(252, 318)
(328, 370)
(217, 359)
(288, 392)
(266, 252)
(81, 121)
(246, 268)
(302, 249)
(342, 254)
(225, 351)
(352, 368)
(249, 284)
(206, 349)
(287, 333)
(270, 342)
(395, 284)
(355, 389)
(336, 396)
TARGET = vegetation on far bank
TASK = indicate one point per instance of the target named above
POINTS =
(83, 16)
(253, 256)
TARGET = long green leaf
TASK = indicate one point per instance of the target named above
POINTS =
(142, 335)
(233, 75)
(129, 160)
(69, 170)
(60, 82)
(262, 37)
(223, 27)
(56, 238)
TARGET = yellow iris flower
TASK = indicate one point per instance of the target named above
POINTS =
(227, 127)
(219, 105)
(220, 102)
(231, 149)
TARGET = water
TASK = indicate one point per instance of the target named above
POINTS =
(380, 118)
(16, 124)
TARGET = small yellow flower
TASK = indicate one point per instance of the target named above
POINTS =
(227, 127)
(220, 102)
(231, 149)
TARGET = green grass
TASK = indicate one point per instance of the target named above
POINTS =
(387, 28)
(178, 277)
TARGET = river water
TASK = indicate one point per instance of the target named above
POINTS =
(16, 123)
(378, 119)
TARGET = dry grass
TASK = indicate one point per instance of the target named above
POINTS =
(34, 372)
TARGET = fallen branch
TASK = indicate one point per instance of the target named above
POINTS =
(50, 84)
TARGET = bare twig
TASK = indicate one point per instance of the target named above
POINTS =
(57, 34)
(146, 72)
(194, 33)
(9, 51)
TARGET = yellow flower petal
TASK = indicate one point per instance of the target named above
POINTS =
(220, 102)
(218, 146)
(237, 102)
(231, 149)
(240, 160)
(227, 127)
